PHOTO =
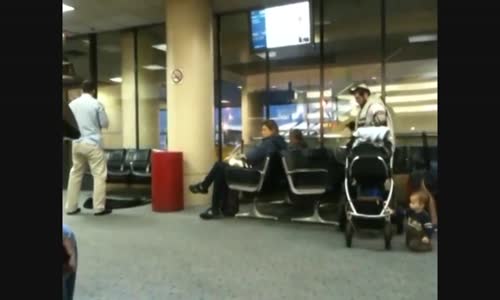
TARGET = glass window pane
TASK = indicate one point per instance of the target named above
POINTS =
(352, 33)
(76, 64)
(412, 65)
(151, 54)
(242, 84)
(109, 69)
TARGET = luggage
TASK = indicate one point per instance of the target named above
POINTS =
(231, 205)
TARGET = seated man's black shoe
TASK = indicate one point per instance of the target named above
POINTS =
(198, 189)
(107, 211)
(75, 212)
(211, 214)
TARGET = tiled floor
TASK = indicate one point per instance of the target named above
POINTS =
(137, 254)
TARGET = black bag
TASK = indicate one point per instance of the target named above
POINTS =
(231, 205)
(70, 131)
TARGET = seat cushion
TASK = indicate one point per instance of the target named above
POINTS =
(119, 173)
(141, 174)
(242, 176)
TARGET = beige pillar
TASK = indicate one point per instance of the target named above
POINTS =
(190, 105)
(128, 90)
(110, 97)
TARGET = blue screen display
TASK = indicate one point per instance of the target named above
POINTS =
(258, 19)
(281, 26)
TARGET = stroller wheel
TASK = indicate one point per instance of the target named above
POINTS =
(388, 235)
(349, 232)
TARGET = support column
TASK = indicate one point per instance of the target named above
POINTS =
(190, 105)
(128, 90)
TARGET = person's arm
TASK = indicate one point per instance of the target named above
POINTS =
(256, 155)
(428, 228)
(103, 117)
(379, 113)
(70, 266)
(69, 246)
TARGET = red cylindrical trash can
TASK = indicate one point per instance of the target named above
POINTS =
(167, 181)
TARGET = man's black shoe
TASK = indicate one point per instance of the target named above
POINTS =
(211, 214)
(75, 212)
(198, 189)
(107, 211)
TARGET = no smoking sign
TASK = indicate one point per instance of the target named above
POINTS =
(177, 76)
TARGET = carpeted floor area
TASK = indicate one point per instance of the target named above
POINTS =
(137, 254)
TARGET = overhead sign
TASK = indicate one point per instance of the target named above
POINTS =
(281, 26)
(177, 76)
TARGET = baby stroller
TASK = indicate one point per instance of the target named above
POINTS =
(368, 170)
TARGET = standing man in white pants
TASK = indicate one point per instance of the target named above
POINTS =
(91, 118)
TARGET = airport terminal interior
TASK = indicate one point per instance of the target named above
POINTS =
(199, 78)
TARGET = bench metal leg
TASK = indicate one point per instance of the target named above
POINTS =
(316, 217)
(255, 213)
(286, 201)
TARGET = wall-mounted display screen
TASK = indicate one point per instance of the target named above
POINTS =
(281, 26)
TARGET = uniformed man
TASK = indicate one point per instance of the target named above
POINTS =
(372, 111)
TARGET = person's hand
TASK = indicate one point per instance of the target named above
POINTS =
(70, 266)
(425, 240)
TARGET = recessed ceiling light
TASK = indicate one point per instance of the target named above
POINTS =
(240, 87)
(374, 78)
(153, 67)
(405, 87)
(325, 22)
(316, 94)
(273, 87)
(412, 128)
(67, 8)
(272, 54)
(161, 47)
(225, 101)
(116, 79)
(415, 109)
(411, 98)
(422, 38)
(110, 48)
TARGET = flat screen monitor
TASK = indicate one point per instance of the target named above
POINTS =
(281, 26)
